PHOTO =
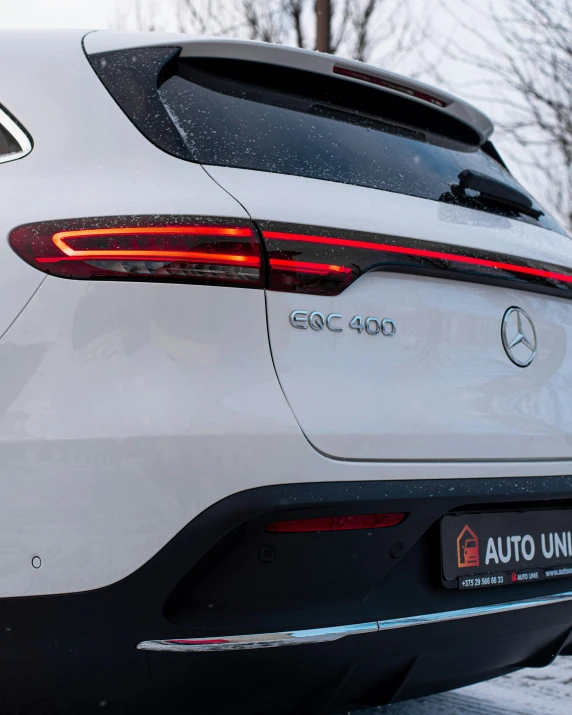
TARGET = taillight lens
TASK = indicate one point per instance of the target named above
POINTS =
(289, 274)
(172, 249)
(299, 265)
(352, 522)
(184, 249)
(327, 262)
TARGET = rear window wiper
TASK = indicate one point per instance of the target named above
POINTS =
(494, 191)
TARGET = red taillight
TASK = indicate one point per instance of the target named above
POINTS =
(327, 264)
(336, 523)
(302, 267)
(416, 253)
(173, 249)
(227, 252)
(289, 274)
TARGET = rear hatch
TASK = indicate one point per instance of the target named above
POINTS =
(415, 366)
(410, 317)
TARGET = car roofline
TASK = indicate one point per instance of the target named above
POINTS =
(353, 71)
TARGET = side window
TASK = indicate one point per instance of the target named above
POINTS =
(14, 142)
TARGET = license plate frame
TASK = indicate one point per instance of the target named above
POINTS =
(527, 545)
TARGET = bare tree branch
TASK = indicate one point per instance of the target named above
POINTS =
(525, 69)
(294, 9)
(342, 19)
(382, 31)
(361, 22)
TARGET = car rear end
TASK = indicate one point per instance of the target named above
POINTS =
(276, 374)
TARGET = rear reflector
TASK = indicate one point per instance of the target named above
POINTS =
(174, 249)
(336, 523)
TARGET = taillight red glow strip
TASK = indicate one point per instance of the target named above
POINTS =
(186, 256)
(319, 269)
(60, 239)
(420, 252)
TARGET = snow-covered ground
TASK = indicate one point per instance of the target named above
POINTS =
(533, 691)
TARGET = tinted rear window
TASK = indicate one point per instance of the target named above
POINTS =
(256, 116)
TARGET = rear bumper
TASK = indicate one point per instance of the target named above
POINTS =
(413, 636)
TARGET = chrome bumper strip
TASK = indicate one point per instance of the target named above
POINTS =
(260, 640)
(334, 633)
(472, 612)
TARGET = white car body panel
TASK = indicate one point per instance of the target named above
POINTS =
(128, 409)
(443, 387)
(133, 411)
(117, 170)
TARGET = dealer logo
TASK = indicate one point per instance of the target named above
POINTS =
(467, 548)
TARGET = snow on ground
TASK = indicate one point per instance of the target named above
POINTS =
(533, 691)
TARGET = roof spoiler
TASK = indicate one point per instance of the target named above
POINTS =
(350, 70)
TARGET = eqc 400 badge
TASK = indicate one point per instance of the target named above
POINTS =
(302, 319)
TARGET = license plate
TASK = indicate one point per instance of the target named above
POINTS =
(500, 548)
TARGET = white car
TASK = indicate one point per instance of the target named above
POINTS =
(285, 361)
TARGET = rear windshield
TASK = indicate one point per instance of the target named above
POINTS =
(265, 117)
(256, 116)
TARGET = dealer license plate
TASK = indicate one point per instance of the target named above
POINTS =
(501, 548)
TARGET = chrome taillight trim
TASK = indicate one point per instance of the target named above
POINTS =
(334, 633)
(19, 136)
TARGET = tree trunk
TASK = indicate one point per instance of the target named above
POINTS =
(323, 25)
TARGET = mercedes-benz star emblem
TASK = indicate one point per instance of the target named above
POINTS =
(518, 336)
